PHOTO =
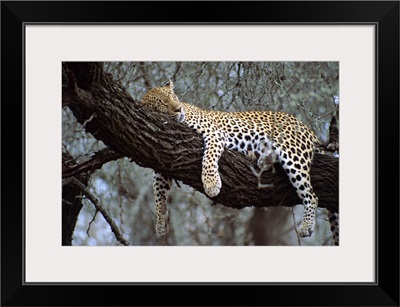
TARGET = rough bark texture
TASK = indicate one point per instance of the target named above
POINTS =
(75, 178)
(154, 141)
(96, 161)
(72, 203)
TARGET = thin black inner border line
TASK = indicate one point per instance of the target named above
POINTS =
(376, 242)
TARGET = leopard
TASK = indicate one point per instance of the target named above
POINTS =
(267, 137)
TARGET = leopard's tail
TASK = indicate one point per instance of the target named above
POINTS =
(334, 222)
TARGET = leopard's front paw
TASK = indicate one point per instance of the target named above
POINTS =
(212, 184)
(308, 222)
(306, 228)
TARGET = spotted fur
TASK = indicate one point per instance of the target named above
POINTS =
(264, 136)
(161, 188)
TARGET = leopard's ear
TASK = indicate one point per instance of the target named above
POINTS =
(170, 84)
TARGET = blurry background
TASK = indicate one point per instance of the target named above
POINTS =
(306, 90)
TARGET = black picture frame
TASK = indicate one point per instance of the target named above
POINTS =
(383, 14)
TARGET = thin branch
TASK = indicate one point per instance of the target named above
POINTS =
(89, 120)
(103, 212)
(90, 223)
(95, 162)
(324, 115)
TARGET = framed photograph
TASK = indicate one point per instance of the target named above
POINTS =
(200, 155)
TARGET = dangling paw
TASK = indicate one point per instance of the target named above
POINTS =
(306, 229)
(212, 184)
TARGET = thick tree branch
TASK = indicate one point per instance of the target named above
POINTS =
(154, 141)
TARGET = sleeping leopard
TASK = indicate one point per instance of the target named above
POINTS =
(264, 136)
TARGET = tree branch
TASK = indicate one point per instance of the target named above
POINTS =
(71, 202)
(95, 202)
(173, 149)
(96, 161)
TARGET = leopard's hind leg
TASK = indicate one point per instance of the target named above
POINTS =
(333, 221)
(298, 168)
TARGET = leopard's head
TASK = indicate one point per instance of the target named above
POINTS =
(163, 99)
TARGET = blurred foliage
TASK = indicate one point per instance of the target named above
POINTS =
(304, 89)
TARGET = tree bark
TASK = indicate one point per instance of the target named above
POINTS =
(71, 201)
(153, 140)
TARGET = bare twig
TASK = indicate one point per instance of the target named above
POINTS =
(103, 212)
(95, 162)
(324, 115)
(89, 120)
(90, 223)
